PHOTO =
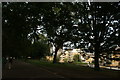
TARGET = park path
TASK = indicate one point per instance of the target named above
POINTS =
(22, 70)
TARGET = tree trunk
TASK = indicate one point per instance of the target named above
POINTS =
(97, 45)
(55, 55)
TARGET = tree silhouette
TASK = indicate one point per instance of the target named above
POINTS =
(99, 27)
(94, 26)
(21, 23)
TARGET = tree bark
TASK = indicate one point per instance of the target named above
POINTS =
(55, 55)
(96, 39)
(97, 45)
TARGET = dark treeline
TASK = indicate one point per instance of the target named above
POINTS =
(30, 28)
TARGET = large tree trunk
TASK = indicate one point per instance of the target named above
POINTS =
(55, 55)
(97, 45)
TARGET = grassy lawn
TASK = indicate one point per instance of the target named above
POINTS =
(74, 69)
(75, 66)
(60, 65)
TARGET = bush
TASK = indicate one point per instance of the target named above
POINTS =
(65, 60)
(76, 58)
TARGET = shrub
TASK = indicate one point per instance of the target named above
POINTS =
(76, 58)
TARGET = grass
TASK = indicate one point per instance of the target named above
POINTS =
(76, 65)
(69, 66)
(72, 67)
(50, 64)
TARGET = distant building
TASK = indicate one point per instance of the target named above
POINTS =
(115, 57)
(111, 58)
(68, 55)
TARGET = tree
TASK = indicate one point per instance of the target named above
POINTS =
(89, 25)
(14, 31)
(59, 23)
(98, 28)
(20, 22)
